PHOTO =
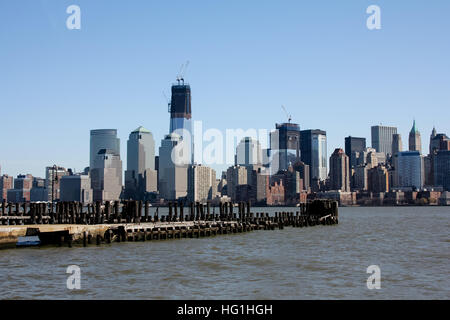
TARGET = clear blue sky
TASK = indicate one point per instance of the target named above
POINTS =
(247, 58)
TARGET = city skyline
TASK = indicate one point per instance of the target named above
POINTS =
(337, 69)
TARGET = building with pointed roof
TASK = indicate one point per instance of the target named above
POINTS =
(415, 142)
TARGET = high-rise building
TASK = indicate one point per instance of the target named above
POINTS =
(409, 172)
(106, 176)
(304, 171)
(248, 152)
(438, 142)
(172, 171)
(103, 139)
(140, 176)
(378, 179)
(396, 144)
(6, 183)
(236, 176)
(181, 116)
(284, 146)
(442, 169)
(38, 190)
(415, 142)
(382, 138)
(53, 177)
(360, 177)
(201, 183)
(313, 146)
(22, 189)
(339, 171)
(353, 144)
(76, 188)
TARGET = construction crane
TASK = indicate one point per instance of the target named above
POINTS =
(168, 101)
(182, 72)
(287, 114)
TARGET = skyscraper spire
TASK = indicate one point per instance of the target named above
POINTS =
(415, 142)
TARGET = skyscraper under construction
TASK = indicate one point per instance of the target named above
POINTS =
(181, 114)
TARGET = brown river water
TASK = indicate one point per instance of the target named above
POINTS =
(411, 245)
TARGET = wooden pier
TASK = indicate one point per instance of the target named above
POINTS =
(72, 223)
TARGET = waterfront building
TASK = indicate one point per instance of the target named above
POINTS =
(339, 171)
(106, 176)
(360, 177)
(415, 142)
(409, 172)
(53, 177)
(275, 193)
(103, 139)
(202, 184)
(172, 170)
(236, 175)
(382, 138)
(248, 152)
(6, 183)
(140, 176)
(353, 144)
(442, 169)
(378, 179)
(38, 190)
(284, 146)
(76, 188)
(22, 189)
(313, 146)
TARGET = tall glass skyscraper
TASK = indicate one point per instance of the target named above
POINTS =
(382, 138)
(285, 146)
(103, 139)
(181, 115)
(313, 145)
(140, 176)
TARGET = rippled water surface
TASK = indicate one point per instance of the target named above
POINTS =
(409, 244)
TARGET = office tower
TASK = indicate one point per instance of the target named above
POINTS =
(409, 172)
(201, 183)
(396, 144)
(38, 190)
(360, 179)
(6, 183)
(53, 177)
(442, 169)
(180, 116)
(438, 142)
(378, 179)
(236, 176)
(339, 171)
(140, 176)
(172, 175)
(313, 145)
(415, 142)
(106, 176)
(432, 136)
(382, 138)
(76, 188)
(292, 183)
(284, 146)
(248, 152)
(103, 139)
(22, 189)
(303, 169)
(353, 144)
